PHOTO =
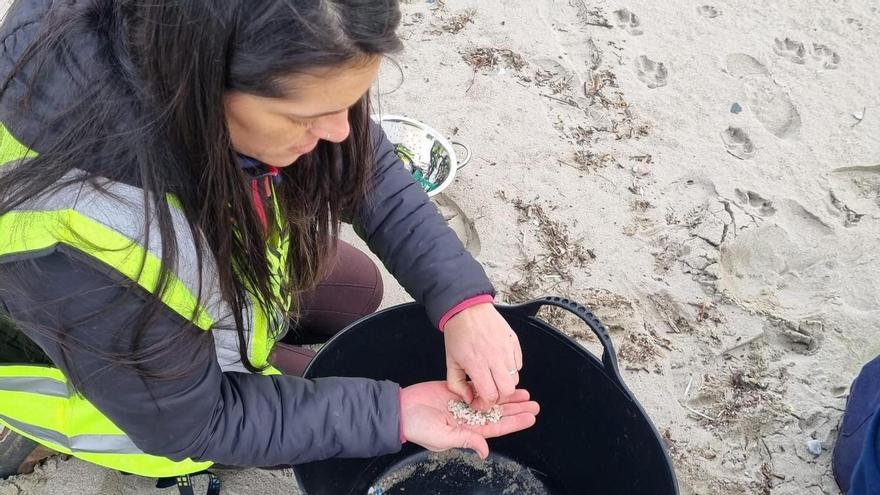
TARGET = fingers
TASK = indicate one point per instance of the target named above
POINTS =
(481, 345)
(505, 376)
(500, 387)
(468, 439)
(487, 391)
(481, 404)
(518, 413)
(513, 363)
(517, 352)
(456, 380)
(505, 381)
(519, 395)
(528, 407)
(507, 425)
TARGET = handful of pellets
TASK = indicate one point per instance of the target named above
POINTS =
(463, 413)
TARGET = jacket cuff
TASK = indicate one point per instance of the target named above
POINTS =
(389, 439)
(402, 436)
(467, 303)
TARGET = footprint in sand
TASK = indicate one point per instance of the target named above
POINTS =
(790, 49)
(629, 21)
(769, 102)
(801, 337)
(653, 74)
(856, 188)
(741, 65)
(825, 56)
(797, 52)
(738, 143)
(792, 267)
(763, 206)
(708, 11)
(460, 223)
(775, 111)
(551, 72)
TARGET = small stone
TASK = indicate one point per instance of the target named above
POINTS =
(464, 414)
(736, 108)
(814, 446)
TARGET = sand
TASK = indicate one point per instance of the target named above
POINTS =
(438, 467)
(705, 177)
(463, 413)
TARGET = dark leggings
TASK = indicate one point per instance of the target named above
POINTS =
(352, 290)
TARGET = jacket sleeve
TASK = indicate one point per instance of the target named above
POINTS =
(176, 402)
(406, 231)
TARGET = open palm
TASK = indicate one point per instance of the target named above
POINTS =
(426, 419)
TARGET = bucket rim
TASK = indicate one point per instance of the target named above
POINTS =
(522, 311)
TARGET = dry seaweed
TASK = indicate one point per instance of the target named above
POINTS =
(456, 23)
(491, 58)
(551, 268)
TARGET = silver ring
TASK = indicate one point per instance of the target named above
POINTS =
(513, 372)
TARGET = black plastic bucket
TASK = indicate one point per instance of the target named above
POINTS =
(592, 436)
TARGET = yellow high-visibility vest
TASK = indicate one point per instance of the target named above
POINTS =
(39, 402)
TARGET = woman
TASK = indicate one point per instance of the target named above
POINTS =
(175, 175)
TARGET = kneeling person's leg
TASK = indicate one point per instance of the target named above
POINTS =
(856, 459)
(352, 290)
(866, 475)
(18, 454)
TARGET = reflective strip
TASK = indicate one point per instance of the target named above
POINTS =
(39, 230)
(99, 223)
(113, 205)
(42, 386)
(11, 149)
(74, 426)
(31, 371)
(121, 208)
(94, 444)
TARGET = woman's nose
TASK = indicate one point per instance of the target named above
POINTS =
(334, 128)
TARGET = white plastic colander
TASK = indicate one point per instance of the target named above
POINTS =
(425, 152)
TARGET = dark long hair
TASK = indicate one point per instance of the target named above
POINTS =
(159, 111)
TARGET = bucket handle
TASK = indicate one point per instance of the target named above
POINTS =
(468, 154)
(609, 358)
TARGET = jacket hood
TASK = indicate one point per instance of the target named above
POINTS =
(40, 104)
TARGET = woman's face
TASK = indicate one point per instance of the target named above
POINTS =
(277, 131)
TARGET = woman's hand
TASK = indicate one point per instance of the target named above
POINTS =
(481, 345)
(426, 420)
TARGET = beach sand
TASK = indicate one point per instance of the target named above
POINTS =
(705, 177)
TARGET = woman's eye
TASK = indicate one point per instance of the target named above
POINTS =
(302, 122)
